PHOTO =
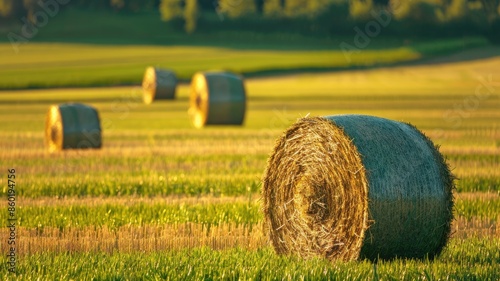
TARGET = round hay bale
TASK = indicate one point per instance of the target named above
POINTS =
(217, 98)
(353, 186)
(158, 84)
(72, 126)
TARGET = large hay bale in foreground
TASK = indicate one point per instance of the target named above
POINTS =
(354, 186)
(158, 84)
(217, 98)
(72, 126)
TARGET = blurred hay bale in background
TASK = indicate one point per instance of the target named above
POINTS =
(217, 98)
(72, 126)
(158, 84)
(354, 186)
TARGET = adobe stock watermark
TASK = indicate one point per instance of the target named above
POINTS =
(121, 106)
(363, 38)
(49, 9)
(281, 118)
(12, 221)
(125, 104)
(471, 103)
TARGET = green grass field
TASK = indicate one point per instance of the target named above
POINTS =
(163, 200)
(55, 65)
(46, 65)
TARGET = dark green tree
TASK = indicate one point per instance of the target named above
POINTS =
(237, 8)
(491, 9)
(259, 5)
(295, 8)
(455, 10)
(31, 7)
(416, 11)
(306, 8)
(191, 15)
(11, 8)
(132, 5)
(382, 3)
(171, 9)
(360, 9)
(117, 4)
(273, 8)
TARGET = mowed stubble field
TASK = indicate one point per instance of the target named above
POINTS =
(162, 200)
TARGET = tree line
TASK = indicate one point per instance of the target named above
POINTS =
(308, 16)
(18, 8)
(337, 17)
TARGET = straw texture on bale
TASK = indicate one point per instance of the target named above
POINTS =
(158, 84)
(352, 186)
(217, 98)
(72, 126)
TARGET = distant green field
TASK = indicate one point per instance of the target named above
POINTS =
(56, 65)
(46, 65)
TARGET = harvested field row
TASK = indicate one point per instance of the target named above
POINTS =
(155, 238)
(460, 197)
(74, 212)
